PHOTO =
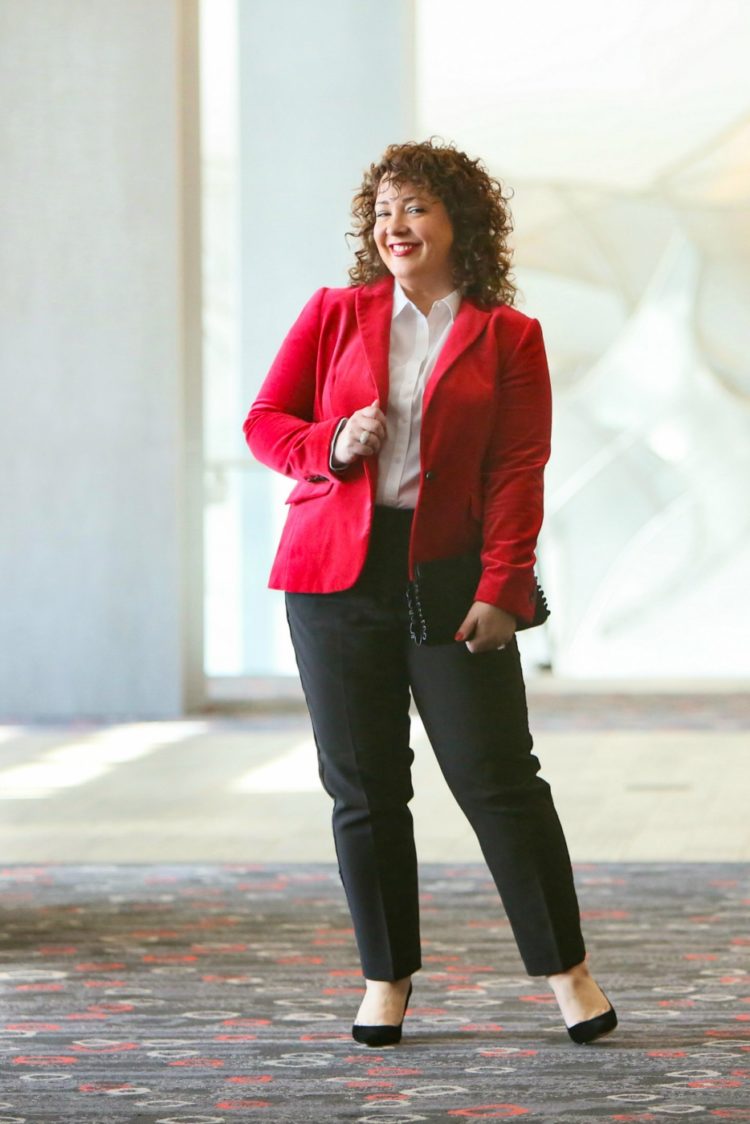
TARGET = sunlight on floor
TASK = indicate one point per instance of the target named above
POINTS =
(75, 763)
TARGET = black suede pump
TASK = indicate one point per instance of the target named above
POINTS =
(591, 1029)
(384, 1035)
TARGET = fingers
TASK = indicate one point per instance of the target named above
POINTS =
(374, 411)
(486, 628)
(468, 625)
(367, 427)
(374, 430)
(478, 646)
(365, 440)
(363, 434)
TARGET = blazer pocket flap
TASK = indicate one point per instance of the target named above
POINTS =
(309, 490)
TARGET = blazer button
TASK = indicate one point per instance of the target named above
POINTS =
(429, 475)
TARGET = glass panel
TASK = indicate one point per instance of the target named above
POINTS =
(245, 626)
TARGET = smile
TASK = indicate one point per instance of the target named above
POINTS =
(403, 249)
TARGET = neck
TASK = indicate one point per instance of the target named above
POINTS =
(424, 296)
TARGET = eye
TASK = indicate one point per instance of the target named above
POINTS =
(416, 210)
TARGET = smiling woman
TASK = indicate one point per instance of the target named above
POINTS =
(444, 182)
(413, 408)
(414, 237)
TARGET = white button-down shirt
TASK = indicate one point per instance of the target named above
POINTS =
(416, 343)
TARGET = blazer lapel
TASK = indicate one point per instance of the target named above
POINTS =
(470, 322)
(374, 305)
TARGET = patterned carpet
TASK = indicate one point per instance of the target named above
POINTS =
(198, 994)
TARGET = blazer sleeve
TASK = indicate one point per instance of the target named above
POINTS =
(283, 428)
(513, 477)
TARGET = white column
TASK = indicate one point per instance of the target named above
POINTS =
(325, 86)
(100, 603)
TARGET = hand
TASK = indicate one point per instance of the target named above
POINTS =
(486, 627)
(368, 423)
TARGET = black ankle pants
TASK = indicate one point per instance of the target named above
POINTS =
(358, 667)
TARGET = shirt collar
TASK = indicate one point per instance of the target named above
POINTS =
(401, 301)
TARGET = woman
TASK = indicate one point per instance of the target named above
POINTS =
(413, 410)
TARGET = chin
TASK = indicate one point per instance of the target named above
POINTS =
(405, 274)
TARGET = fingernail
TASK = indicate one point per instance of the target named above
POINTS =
(459, 636)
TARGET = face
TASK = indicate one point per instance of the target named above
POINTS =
(414, 236)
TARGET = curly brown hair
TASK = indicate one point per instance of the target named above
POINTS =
(476, 206)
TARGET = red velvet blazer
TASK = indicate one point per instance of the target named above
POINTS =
(485, 441)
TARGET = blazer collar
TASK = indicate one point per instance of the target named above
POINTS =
(374, 308)
(374, 305)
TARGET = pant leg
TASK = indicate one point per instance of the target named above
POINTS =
(351, 651)
(474, 711)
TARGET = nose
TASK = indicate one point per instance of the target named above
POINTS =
(397, 224)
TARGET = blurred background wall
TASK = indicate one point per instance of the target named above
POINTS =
(624, 135)
(177, 178)
(625, 132)
(100, 427)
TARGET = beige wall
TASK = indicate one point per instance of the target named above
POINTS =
(99, 338)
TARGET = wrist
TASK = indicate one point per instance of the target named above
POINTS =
(334, 464)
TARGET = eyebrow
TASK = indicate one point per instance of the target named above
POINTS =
(406, 198)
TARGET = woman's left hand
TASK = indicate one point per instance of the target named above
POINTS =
(486, 627)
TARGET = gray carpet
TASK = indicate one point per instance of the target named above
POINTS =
(200, 993)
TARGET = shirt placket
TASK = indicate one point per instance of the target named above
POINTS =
(407, 392)
(434, 326)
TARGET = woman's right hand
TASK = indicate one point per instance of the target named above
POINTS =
(362, 436)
